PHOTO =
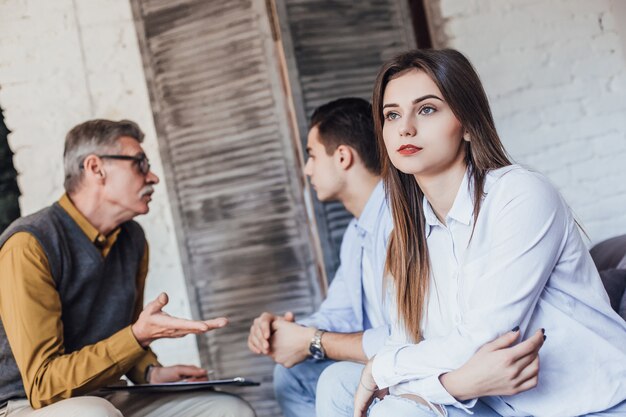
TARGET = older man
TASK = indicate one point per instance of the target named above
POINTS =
(71, 293)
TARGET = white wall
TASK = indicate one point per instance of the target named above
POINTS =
(555, 73)
(63, 62)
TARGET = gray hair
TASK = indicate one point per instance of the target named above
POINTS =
(93, 137)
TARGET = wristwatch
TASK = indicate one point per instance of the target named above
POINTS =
(315, 348)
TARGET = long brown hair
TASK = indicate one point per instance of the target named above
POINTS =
(407, 255)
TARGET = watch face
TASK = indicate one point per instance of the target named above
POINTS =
(316, 352)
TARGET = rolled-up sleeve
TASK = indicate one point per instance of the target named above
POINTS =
(432, 389)
(336, 313)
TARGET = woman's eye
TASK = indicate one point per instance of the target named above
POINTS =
(426, 110)
(392, 116)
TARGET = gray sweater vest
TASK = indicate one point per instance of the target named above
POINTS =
(97, 295)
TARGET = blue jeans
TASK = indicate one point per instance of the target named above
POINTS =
(295, 387)
(336, 388)
(403, 407)
(336, 383)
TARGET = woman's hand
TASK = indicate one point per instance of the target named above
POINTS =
(366, 391)
(498, 368)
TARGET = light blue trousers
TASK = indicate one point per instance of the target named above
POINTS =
(337, 385)
(327, 388)
(295, 387)
(322, 388)
(402, 407)
(336, 388)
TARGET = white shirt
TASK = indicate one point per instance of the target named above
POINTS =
(525, 265)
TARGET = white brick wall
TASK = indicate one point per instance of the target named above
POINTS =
(63, 62)
(555, 73)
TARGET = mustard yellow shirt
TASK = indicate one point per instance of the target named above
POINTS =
(30, 308)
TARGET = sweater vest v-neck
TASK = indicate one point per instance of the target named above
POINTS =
(97, 294)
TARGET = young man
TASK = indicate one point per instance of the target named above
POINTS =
(320, 358)
(71, 293)
(350, 325)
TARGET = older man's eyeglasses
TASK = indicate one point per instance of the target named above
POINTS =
(141, 161)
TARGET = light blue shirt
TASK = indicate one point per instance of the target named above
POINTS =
(343, 309)
(522, 263)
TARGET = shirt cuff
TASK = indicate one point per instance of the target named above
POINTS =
(137, 373)
(124, 350)
(383, 368)
(429, 388)
(432, 390)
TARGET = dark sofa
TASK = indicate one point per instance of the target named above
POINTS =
(610, 259)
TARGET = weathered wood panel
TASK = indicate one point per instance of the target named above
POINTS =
(334, 49)
(231, 170)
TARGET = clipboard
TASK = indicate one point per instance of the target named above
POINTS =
(183, 386)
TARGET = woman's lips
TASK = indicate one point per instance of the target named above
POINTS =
(408, 149)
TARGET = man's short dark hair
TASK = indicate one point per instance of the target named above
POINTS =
(348, 121)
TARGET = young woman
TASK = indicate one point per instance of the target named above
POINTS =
(479, 246)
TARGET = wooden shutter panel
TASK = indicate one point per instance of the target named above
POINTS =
(232, 172)
(334, 49)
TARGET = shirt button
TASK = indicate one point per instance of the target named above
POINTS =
(100, 241)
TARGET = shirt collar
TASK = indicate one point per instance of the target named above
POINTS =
(369, 216)
(461, 211)
(429, 213)
(98, 239)
(463, 207)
